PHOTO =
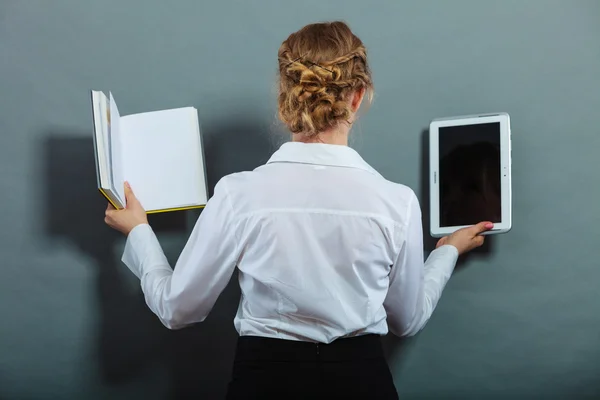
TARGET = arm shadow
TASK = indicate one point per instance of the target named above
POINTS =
(130, 338)
(74, 210)
(395, 347)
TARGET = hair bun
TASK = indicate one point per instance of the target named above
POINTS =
(319, 66)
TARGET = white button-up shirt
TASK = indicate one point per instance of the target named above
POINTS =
(325, 247)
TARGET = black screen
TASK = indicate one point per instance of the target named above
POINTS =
(469, 174)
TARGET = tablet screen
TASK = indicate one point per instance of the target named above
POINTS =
(469, 174)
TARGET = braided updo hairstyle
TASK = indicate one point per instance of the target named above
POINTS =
(320, 67)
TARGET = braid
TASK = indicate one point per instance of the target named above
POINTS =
(358, 53)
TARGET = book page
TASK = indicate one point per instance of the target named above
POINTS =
(116, 156)
(163, 158)
(98, 139)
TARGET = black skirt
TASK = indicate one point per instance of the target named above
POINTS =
(352, 368)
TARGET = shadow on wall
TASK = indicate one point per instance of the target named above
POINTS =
(395, 347)
(130, 338)
(428, 241)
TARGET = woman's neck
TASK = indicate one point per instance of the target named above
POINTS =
(335, 135)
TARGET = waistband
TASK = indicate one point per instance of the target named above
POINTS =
(256, 348)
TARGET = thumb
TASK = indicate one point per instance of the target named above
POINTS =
(481, 227)
(129, 196)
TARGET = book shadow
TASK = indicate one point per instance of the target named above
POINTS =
(131, 341)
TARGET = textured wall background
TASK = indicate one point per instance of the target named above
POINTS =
(520, 320)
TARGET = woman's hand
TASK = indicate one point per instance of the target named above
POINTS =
(466, 239)
(130, 217)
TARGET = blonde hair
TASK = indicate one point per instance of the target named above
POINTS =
(320, 66)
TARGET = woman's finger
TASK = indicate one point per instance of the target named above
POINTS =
(442, 241)
(481, 227)
(130, 199)
(479, 241)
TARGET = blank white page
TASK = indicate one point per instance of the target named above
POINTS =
(116, 155)
(99, 143)
(163, 158)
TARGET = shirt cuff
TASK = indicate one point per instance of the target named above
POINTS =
(445, 258)
(142, 251)
(450, 250)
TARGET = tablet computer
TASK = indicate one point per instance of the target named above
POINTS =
(470, 173)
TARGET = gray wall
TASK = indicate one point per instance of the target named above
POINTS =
(520, 319)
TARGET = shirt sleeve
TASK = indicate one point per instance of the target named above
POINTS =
(416, 286)
(185, 295)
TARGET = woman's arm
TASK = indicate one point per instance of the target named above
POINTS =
(185, 295)
(416, 286)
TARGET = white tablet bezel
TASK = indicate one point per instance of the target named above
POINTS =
(505, 168)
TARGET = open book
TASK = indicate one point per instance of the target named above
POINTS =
(159, 153)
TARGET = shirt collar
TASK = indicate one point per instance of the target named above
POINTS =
(321, 154)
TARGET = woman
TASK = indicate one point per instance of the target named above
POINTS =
(329, 253)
